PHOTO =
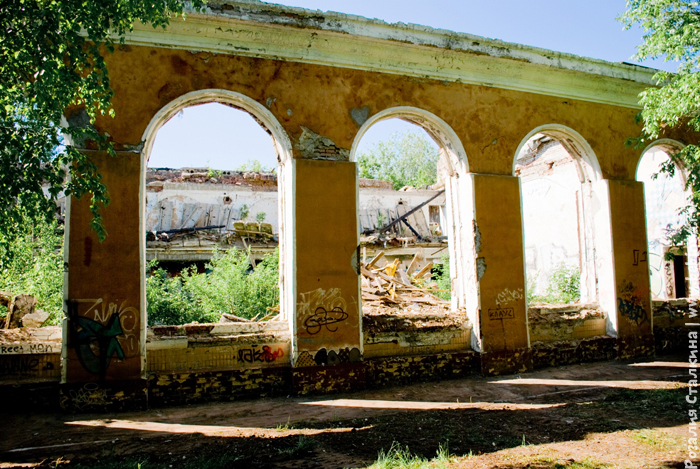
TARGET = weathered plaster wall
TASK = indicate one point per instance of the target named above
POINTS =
(105, 327)
(490, 122)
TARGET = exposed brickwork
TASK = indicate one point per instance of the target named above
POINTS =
(573, 352)
(505, 363)
(187, 388)
(104, 397)
(671, 340)
(29, 396)
(329, 379)
(635, 346)
(410, 369)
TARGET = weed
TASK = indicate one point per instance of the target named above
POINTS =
(282, 427)
(563, 286)
(401, 458)
(245, 211)
(260, 217)
(303, 444)
(31, 261)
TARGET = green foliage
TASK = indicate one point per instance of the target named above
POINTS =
(51, 65)
(31, 260)
(228, 287)
(406, 159)
(671, 31)
(260, 217)
(442, 278)
(255, 166)
(245, 211)
(563, 286)
(169, 302)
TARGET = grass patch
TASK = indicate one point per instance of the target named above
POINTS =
(399, 457)
(658, 440)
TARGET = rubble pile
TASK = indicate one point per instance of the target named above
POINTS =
(391, 290)
(21, 311)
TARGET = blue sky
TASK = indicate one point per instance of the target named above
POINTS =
(222, 138)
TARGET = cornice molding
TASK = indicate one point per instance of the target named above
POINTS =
(334, 39)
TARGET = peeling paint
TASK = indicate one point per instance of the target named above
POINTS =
(477, 237)
(480, 267)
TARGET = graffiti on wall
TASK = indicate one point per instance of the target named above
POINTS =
(329, 357)
(630, 303)
(508, 296)
(20, 349)
(264, 355)
(321, 310)
(87, 396)
(638, 256)
(111, 331)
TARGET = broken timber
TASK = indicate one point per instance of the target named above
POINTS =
(410, 212)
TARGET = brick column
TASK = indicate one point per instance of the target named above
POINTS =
(327, 325)
(104, 350)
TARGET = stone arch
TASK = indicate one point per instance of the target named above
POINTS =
(283, 148)
(231, 98)
(589, 174)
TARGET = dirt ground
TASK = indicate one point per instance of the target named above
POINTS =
(611, 414)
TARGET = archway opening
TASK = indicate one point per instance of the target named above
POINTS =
(556, 177)
(213, 215)
(406, 161)
(673, 269)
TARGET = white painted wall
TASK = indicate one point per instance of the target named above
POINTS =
(371, 198)
(550, 218)
(664, 196)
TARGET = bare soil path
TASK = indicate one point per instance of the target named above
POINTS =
(611, 414)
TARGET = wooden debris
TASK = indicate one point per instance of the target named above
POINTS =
(376, 258)
(424, 270)
(391, 288)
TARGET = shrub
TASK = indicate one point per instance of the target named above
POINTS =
(169, 303)
(31, 261)
(441, 276)
(229, 286)
(563, 286)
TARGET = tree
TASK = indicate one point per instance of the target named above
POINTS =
(672, 32)
(51, 61)
(405, 159)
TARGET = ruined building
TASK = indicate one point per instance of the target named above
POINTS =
(316, 82)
